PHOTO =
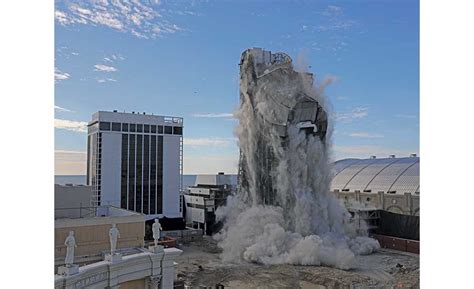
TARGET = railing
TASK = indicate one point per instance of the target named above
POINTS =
(88, 212)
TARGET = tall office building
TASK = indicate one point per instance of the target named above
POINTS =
(135, 161)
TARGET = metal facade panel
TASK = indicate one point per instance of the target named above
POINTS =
(363, 178)
(342, 164)
(385, 179)
(409, 181)
(340, 180)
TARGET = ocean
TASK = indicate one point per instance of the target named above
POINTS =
(188, 180)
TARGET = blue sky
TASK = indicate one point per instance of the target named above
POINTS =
(181, 58)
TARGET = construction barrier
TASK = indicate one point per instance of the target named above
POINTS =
(398, 244)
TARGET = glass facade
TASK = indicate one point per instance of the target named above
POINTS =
(142, 173)
(159, 172)
(146, 174)
(124, 172)
(168, 130)
(139, 170)
(116, 126)
(177, 130)
(104, 125)
(153, 174)
(131, 173)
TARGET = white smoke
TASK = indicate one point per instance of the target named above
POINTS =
(310, 226)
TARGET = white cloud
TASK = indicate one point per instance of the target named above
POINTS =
(208, 141)
(355, 113)
(365, 151)
(113, 57)
(106, 68)
(68, 162)
(103, 80)
(59, 75)
(71, 125)
(366, 135)
(61, 109)
(213, 115)
(140, 18)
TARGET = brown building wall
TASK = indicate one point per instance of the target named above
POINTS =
(92, 234)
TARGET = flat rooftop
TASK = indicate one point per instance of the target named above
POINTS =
(135, 117)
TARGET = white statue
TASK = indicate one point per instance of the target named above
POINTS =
(114, 234)
(156, 228)
(70, 243)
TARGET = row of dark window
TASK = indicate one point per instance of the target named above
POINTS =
(145, 128)
(94, 157)
(142, 173)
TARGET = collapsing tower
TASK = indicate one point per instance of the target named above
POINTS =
(274, 97)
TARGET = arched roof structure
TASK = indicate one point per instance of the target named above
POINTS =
(390, 175)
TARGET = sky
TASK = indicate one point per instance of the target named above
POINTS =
(180, 58)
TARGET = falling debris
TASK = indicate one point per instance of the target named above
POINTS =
(284, 212)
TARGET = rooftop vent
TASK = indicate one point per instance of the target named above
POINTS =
(144, 113)
(391, 156)
(413, 155)
(115, 110)
(373, 157)
(133, 112)
(220, 173)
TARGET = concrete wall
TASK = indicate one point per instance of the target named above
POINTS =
(171, 177)
(71, 197)
(111, 168)
(92, 235)
(408, 204)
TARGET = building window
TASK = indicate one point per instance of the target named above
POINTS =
(146, 128)
(168, 130)
(160, 129)
(124, 170)
(159, 173)
(125, 127)
(131, 173)
(116, 126)
(133, 127)
(178, 130)
(139, 127)
(139, 170)
(153, 128)
(146, 174)
(104, 125)
(153, 175)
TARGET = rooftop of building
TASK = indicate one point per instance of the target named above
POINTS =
(92, 212)
(135, 117)
(389, 175)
